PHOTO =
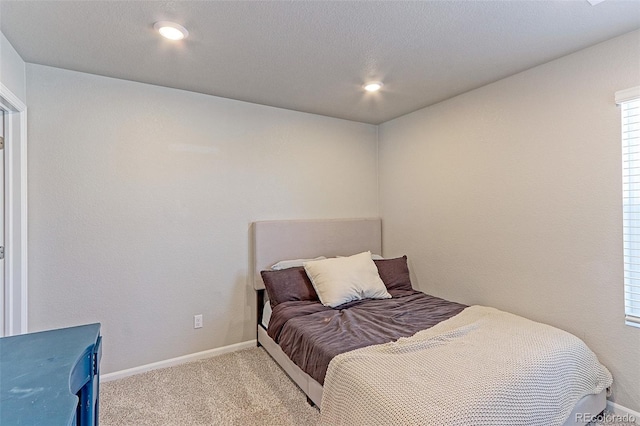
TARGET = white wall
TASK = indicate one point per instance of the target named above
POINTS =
(510, 196)
(12, 69)
(140, 200)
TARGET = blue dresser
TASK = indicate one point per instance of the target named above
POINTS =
(51, 377)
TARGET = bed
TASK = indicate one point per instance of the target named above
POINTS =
(274, 241)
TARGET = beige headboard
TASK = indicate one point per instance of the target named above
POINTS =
(278, 240)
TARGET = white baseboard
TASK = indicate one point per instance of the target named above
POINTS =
(176, 361)
(622, 410)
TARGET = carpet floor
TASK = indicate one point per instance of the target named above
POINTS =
(241, 388)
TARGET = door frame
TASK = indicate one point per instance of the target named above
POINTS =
(15, 317)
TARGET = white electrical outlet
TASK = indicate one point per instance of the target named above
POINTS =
(197, 321)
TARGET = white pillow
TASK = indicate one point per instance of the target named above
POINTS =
(286, 264)
(373, 256)
(343, 279)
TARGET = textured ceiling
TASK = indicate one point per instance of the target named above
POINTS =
(314, 56)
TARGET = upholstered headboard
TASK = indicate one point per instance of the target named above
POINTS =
(278, 240)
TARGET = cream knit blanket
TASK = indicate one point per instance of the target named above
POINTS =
(481, 367)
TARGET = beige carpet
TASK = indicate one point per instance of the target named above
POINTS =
(242, 388)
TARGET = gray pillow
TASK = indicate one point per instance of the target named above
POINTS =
(394, 273)
(289, 284)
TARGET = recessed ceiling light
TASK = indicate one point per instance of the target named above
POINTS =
(373, 86)
(171, 30)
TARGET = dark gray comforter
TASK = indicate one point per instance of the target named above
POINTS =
(312, 334)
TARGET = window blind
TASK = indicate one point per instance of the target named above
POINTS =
(629, 101)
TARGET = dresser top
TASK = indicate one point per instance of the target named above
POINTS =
(36, 369)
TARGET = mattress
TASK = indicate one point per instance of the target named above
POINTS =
(266, 314)
(312, 334)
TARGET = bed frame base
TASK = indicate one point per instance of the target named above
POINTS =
(590, 404)
(305, 382)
